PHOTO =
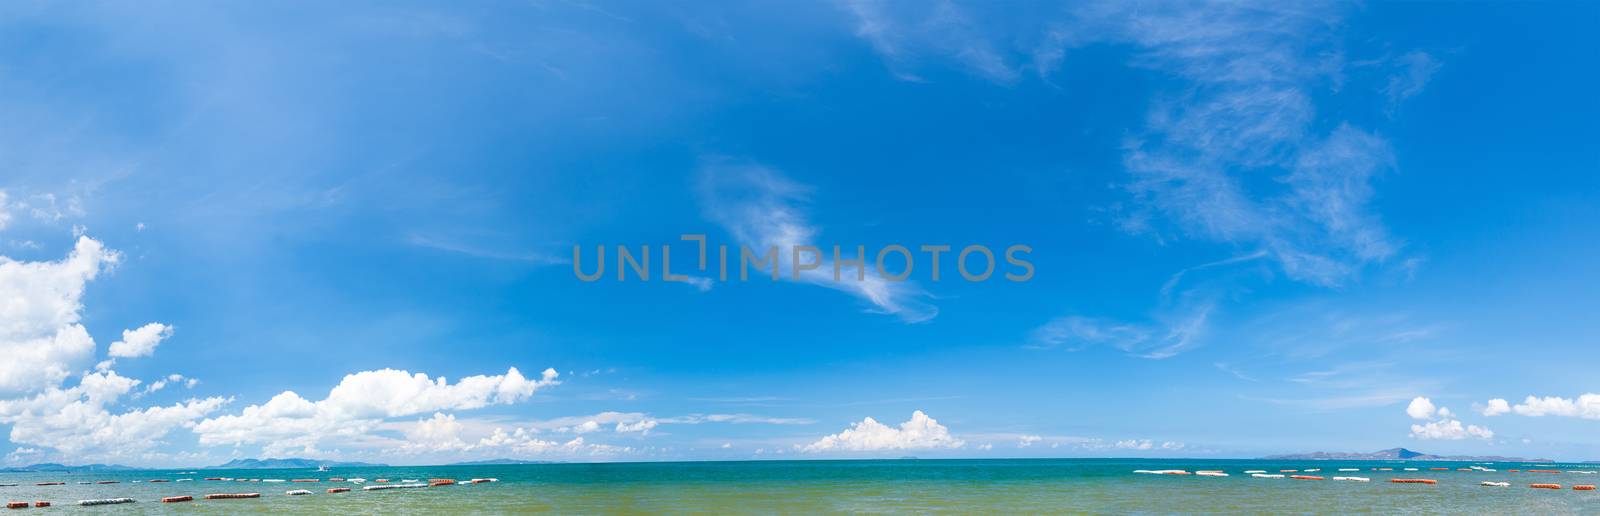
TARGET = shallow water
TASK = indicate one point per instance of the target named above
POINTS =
(877, 486)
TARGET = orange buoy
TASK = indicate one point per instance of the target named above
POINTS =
(436, 482)
(1305, 477)
(109, 482)
(336, 479)
(338, 489)
(1545, 486)
(16, 505)
(171, 499)
(1584, 487)
(51, 484)
(1413, 481)
(1544, 471)
(1288, 471)
(1514, 470)
(41, 503)
(213, 478)
(1439, 469)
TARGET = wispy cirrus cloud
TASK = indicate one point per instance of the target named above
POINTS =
(1233, 156)
(1166, 335)
(763, 209)
(904, 33)
(1234, 151)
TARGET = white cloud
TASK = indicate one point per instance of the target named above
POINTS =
(918, 433)
(1440, 422)
(642, 426)
(141, 342)
(1173, 334)
(761, 208)
(1587, 406)
(358, 404)
(76, 421)
(1235, 152)
(901, 31)
(1496, 407)
(1449, 429)
(40, 335)
(524, 442)
(1420, 408)
(1413, 71)
(5, 211)
(438, 433)
(1028, 440)
(1135, 444)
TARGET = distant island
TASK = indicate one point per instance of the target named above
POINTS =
(1398, 454)
(62, 468)
(290, 463)
(500, 462)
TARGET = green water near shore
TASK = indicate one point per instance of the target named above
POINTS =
(1099, 486)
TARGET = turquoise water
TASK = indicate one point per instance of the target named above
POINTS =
(868, 486)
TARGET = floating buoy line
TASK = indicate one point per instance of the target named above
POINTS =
(1300, 474)
(405, 484)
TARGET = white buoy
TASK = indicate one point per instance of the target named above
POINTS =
(392, 486)
(1266, 475)
(1353, 479)
(105, 501)
(297, 492)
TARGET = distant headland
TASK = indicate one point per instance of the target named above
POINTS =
(1398, 454)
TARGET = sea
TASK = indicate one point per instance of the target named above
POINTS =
(991, 486)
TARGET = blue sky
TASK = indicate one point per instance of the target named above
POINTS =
(237, 229)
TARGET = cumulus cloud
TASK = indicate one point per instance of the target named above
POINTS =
(443, 436)
(1496, 407)
(1586, 406)
(642, 426)
(761, 209)
(1421, 408)
(40, 335)
(141, 342)
(1135, 444)
(358, 404)
(1028, 440)
(1449, 429)
(1440, 423)
(78, 422)
(919, 433)
(438, 433)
